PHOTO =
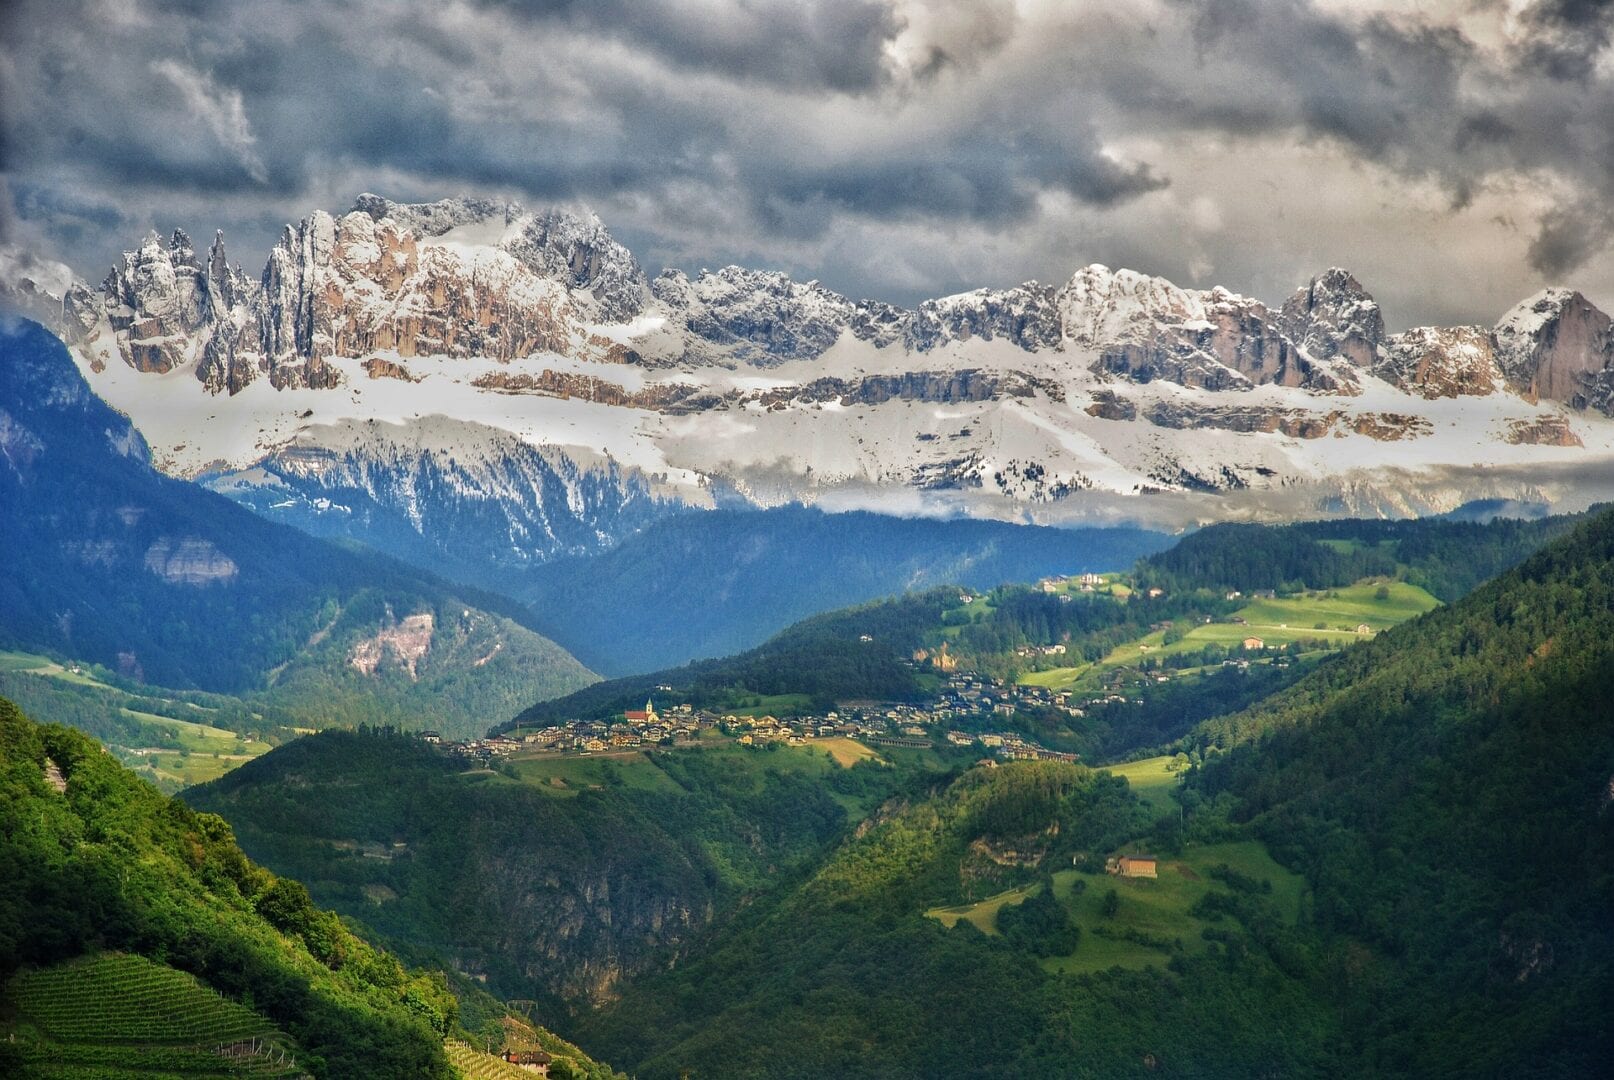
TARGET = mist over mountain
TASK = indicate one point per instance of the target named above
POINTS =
(714, 583)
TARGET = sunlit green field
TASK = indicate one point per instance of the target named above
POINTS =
(1153, 910)
(1343, 609)
(983, 913)
(1282, 622)
(43, 665)
(569, 774)
(1150, 780)
(1055, 678)
(1329, 619)
(1159, 908)
(775, 705)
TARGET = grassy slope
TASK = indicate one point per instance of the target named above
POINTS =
(112, 863)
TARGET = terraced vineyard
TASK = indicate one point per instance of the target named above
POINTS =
(117, 1016)
(479, 1066)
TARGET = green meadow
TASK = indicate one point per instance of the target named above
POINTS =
(1151, 780)
(1153, 917)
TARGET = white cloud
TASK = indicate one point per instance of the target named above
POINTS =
(220, 109)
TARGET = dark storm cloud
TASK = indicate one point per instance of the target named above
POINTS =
(1389, 91)
(1565, 36)
(896, 147)
(1421, 98)
(1567, 238)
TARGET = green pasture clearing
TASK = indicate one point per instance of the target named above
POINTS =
(568, 774)
(19, 661)
(984, 913)
(810, 758)
(1158, 909)
(774, 705)
(1154, 911)
(1343, 608)
(190, 769)
(845, 752)
(210, 752)
(1283, 622)
(1055, 678)
(1150, 780)
(33, 664)
(192, 735)
(932, 759)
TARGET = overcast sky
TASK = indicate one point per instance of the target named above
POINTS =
(1457, 155)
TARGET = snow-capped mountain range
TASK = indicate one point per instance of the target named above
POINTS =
(524, 362)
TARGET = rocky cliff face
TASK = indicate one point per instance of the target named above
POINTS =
(1556, 346)
(1333, 316)
(457, 278)
(765, 318)
(466, 500)
(1442, 362)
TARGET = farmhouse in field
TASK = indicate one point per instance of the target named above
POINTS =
(1363, 628)
(1253, 643)
(1136, 866)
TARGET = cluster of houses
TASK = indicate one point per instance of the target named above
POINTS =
(635, 728)
(1060, 584)
(967, 701)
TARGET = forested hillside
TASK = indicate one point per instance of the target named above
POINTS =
(847, 976)
(551, 889)
(1448, 790)
(110, 562)
(1448, 558)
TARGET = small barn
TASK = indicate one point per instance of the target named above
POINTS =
(1145, 866)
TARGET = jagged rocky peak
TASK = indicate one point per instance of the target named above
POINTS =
(223, 287)
(434, 218)
(1147, 328)
(1100, 306)
(155, 298)
(766, 317)
(1333, 316)
(576, 249)
(1442, 361)
(580, 251)
(1026, 315)
(1556, 346)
